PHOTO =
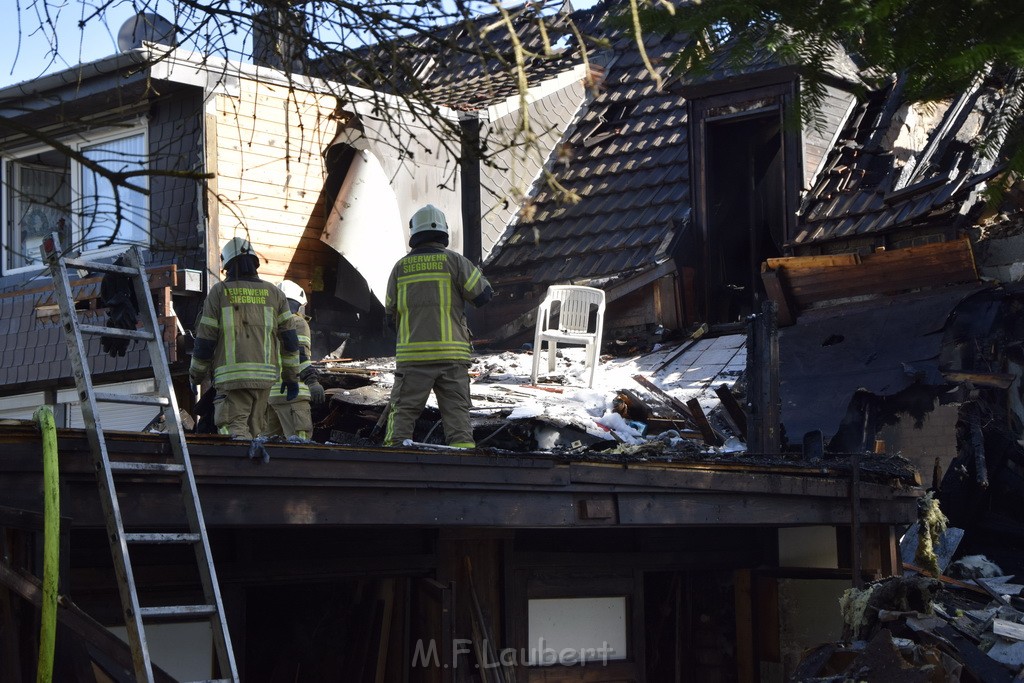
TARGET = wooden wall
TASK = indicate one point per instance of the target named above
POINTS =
(270, 175)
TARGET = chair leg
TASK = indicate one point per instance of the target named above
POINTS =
(552, 355)
(536, 361)
(591, 356)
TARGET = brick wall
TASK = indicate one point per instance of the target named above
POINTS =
(935, 439)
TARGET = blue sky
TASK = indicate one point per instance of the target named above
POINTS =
(26, 49)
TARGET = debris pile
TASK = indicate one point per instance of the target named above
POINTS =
(678, 398)
(915, 628)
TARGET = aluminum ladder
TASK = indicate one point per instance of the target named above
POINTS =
(136, 616)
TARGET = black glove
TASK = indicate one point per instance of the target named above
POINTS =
(316, 392)
(290, 390)
(118, 296)
(257, 451)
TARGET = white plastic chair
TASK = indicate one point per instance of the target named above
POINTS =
(573, 314)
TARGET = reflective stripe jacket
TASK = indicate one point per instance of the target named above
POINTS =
(427, 294)
(299, 324)
(244, 319)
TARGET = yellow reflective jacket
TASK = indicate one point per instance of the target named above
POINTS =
(427, 294)
(245, 319)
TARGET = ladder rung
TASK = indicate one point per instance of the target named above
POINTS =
(123, 466)
(160, 538)
(173, 611)
(116, 332)
(135, 399)
(100, 267)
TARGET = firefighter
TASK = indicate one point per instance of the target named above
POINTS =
(245, 340)
(294, 418)
(425, 304)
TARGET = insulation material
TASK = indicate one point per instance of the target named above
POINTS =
(933, 525)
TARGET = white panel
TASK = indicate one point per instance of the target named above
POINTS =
(568, 630)
(364, 225)
(185, 651)
(114, 416)
(20, 407)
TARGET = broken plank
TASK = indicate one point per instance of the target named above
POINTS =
(733, 410)
(995, 380)
(672, 401)
(977, 663)
(996, 595)
(694, 338)
(1008, 629)
(944, 579)
(711, 437)
(69, 615)
(778, 292)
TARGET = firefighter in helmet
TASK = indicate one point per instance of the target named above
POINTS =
(244, 343)
(425, 304)
(294, 418)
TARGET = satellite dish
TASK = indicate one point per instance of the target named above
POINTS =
(149, 27)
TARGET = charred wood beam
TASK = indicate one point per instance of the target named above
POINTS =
(993, 380)
(711, 437)
(672, 401)
(733, 409)
(976, 441)
(763, 371)
(68, 614)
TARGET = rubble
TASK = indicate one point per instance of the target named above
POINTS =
(664, 402)
(914, 628)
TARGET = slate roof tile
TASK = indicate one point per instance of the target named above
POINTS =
(848, 198)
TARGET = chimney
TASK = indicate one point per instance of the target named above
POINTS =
(279, 37)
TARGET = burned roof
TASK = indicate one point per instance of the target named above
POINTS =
(470, 64)
(626, 158)
(879, 346)
(898, 163)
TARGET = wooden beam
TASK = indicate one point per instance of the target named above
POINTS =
(711, 437)
(733, 409)
(68, 614)
(778, 293)
(995, 380)
(674, 402)
(744, 605)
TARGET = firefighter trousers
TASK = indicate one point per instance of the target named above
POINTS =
(290, 418)
(413, 383)
(240, 412)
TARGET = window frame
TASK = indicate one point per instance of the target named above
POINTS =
(78, 143)
(533, 581)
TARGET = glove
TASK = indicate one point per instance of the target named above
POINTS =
(316, 392)
(290, 390)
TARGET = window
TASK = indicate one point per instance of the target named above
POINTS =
(46, 191)
(574, 631)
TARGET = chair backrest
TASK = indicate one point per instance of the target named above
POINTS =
(574, 306)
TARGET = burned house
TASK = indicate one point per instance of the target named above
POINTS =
(350, 562)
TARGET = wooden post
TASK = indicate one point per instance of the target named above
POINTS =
(763, 371)
(855, 541)
(743, 593)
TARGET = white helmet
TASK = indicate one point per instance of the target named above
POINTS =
(236, 246)
(429, 218)
(293, 291)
